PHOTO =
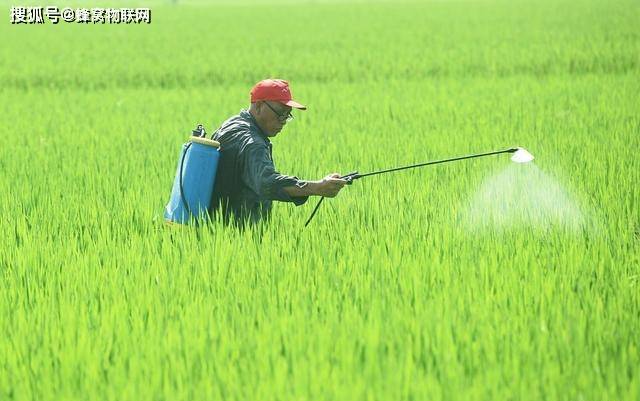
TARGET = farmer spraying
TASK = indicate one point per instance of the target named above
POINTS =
(246, 180)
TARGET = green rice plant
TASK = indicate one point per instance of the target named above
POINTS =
(394, 292)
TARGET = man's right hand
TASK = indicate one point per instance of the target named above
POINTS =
(330, 185)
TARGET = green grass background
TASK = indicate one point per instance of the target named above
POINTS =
(387, 295)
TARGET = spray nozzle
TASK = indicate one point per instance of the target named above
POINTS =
(521, 155)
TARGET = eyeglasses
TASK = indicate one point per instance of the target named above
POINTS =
(281, 117)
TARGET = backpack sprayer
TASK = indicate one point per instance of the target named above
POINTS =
(195, 178)
(520, 155)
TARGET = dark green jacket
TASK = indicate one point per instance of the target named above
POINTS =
(247, 181)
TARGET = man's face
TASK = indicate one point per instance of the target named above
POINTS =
(273, 117)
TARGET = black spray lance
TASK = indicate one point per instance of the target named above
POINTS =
(520, 155)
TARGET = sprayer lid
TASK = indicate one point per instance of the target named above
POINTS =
(205, 141)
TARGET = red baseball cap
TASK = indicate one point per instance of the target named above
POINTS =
(276, 90)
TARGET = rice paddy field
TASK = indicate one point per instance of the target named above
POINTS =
(474, 280)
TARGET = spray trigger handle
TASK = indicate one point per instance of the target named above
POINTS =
(350, 177)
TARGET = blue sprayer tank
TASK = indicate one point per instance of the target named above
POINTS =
(195, 177)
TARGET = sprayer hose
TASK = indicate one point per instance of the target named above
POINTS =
(184, 200)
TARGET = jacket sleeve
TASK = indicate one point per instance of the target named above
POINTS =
(259, 174)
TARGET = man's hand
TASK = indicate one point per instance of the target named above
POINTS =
(330, 185)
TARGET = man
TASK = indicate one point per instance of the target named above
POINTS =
(247, 181)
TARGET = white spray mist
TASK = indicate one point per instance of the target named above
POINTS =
(523, 196)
